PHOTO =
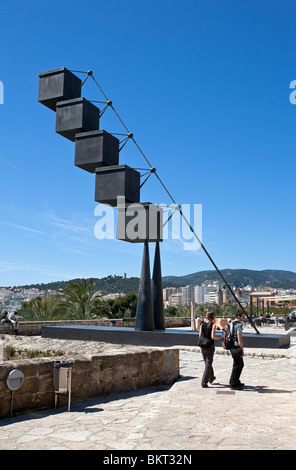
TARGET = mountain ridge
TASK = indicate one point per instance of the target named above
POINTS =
(240, 278)
(235, 277)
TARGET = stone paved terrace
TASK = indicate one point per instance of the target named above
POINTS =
(182, 416)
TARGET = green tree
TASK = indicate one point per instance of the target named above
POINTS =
(230, 310)
(171, 311)
(42, 309)
(183, 311)
(125, 306)
(82, 302)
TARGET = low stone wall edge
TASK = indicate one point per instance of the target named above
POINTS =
(92, 376)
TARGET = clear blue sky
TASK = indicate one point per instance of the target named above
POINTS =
(204, 87)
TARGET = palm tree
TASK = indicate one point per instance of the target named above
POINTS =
(41, 309)
(230, 310)
(124, 306)
(81, 302)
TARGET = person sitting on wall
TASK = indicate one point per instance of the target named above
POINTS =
(14, 320)
(11, 318)
(4, 317)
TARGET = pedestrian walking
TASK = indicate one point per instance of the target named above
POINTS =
(237, 352)
(208, 330)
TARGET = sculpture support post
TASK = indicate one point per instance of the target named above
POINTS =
(193, 322)
(157, 293)
(144, 315)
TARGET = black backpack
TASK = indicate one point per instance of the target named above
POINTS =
(227, 336)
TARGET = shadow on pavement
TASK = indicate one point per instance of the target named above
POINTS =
(253, 388)
(90, 405)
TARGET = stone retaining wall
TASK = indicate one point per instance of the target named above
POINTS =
(92, 376)
(33, 328)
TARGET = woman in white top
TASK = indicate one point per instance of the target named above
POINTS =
(12, 317)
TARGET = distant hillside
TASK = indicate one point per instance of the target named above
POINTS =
(239, 278)
(235, 277)
(108, 284)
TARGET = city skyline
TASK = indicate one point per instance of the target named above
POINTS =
(208, 292)
(205, 89)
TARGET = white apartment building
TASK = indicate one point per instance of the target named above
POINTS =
(175, 300)
(32, 294)
(188, 295)
(201, 292)
(207, 292)
(212, 285)
(168, 291)
(210, 297)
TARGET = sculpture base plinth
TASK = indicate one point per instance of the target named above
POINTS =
(166, 338)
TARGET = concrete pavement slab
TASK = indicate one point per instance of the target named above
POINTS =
(182, 416)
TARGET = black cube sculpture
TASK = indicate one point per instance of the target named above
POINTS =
(96, 149)
(76, 116)
(58, 85)
(137, 223)
(117, 181)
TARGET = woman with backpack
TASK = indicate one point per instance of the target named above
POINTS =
(207, 334)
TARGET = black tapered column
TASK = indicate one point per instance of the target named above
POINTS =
(144, 315)
(157, 293)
